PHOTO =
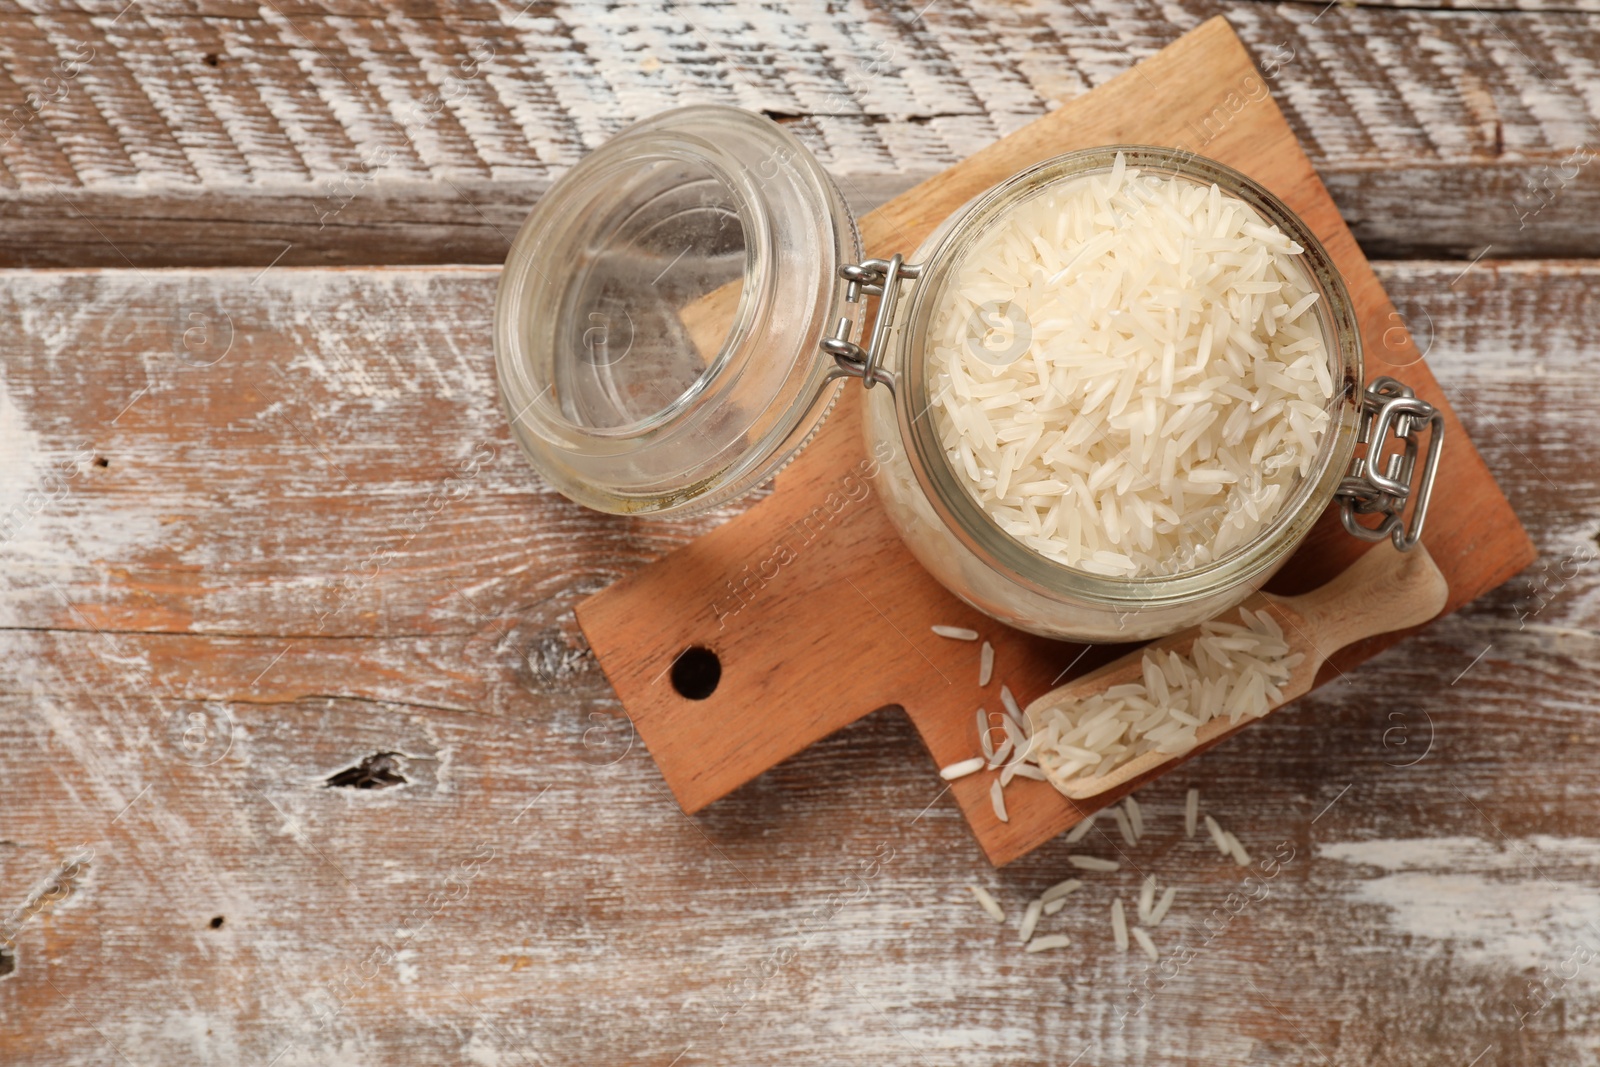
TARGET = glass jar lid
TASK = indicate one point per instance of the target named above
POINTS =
(658, 322)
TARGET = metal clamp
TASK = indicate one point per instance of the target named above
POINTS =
(874, 277)
(1390, 409)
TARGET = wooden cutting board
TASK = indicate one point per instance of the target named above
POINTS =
(818, 615)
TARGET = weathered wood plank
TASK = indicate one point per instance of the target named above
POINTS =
(220, 132)
(605, 926)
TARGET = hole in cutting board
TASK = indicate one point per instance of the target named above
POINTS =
(696, 672)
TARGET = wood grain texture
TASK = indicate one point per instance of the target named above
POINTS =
(779, 620)
(1433, 878)
(184, 132)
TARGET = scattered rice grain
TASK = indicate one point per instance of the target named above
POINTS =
(1030, 919)
(1147, 898)
(988, 903)
(1145, 943)
(962, 769)
(1160, 910)
(1135, 816)
(1080, 831)
(1124, 826)
(1240, 856)
(1060, 890)
(1217, 837)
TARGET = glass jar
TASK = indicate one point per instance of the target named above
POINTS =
(677, 314)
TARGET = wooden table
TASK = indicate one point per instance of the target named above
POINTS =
(303, 759)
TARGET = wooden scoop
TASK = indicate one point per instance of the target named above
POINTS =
(1384, 590)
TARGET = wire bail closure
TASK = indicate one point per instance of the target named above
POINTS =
(1392, 410)
(872, 277)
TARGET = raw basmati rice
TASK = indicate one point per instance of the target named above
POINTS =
(1232, 671)
(984, 741)
(956, 633)
(1159, 912)
(997, 798)
(962, 769)
(1191, 812)
(1048, 941)
(1145, 943)
(1060, 890)
(1010, 702)
(985, 665)
(1236, 850)
(1147, 898)
(1161, 386)
(1093, 863)
(1124, 826)
(1080, 831)
(1119, 925)
(1055, 905)
(1217, 837)
(1135, 816)
(1014, 731)
(988, 903)
(1030, 919)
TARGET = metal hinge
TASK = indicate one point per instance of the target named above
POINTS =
(880, 278)
(1391, 410)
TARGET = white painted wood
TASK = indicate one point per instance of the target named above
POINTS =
(383, 132)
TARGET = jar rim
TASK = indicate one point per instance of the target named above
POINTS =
(978, 530)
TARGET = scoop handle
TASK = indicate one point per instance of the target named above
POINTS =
(1384, 590)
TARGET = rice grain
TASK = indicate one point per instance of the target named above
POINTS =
(1145, 943)
(1030, 919)
(1159, 912)
(1135, 812)
(1060, 890)
(988, 903)
(997, 798)
(962, 769)
(1217, 837)
(1124, 826)
(1236, 850)
(1080, 831)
